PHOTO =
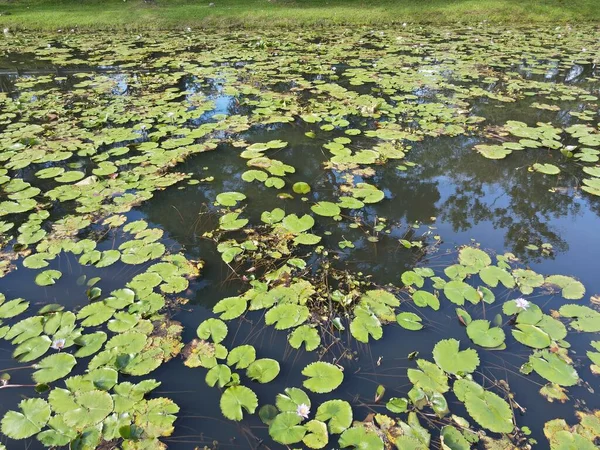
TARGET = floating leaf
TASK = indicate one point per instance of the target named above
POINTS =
(447, 355)
(286, 428)
(33, 417)
(587, 319)
(326, 209)
(548, 169)
(480, 333)
(474, 258)
(229, 198)
(323, 377)
(230, 307)
(297, 225)
(54, 367)
(571, 288)
(212, 328)
(551, 367)
(316, 436)
(360, 438)
(306, 335)
(234, 399)
(365, 324)
(409, 321)
(47, 277)
(263, 370)
(286, 316)
(338, 414)
(301, 188)
(241, 356)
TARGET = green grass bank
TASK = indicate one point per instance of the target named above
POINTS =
(169, 14)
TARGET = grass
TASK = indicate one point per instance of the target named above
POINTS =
(168, 14)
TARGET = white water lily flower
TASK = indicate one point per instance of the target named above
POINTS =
(303, 410)
(522, 303)
(58, 344)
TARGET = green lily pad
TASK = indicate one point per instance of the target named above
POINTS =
(263, 370)
(286, 428)
(322, 377)
(326, 209)
(236, 398)
(47, 277)
(448, 357)
(337, 414)
(480, 333)
(34, 415)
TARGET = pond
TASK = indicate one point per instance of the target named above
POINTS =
(328, 238)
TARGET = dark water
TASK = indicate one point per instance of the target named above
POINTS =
(451, 192)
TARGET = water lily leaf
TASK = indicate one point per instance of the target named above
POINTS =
(447, 355)
(263, 370)
(554, 369)
(32, 348)
(297, 225)
(338, 414)
(458, 291)
(397, 405)
(301, 188)
(410, 278)
(548, 169)
(326, 209)
(359, 437)
(480, 333)
(490, 411)
(306, 335)
(241, 356)
(267, 414)
(90, 409)
(452, 439)
(218, 375)
(365, 324)
(95, 314)
(47, 277)
(323, 377)
(316, 436)
(424, 298)
(491, 275)
(527, 280)
(493, 151)
(307, 239)
(350, 203)
(129, 342)
(90, 343)
(409, 321)
(234, 399)
(286, 316)
(430, 377)
(59, 434)
(230, 307)
(253, 174)
(54, 367)
(531, 335)
(156, 417)
(229, 198)
(474, 258)
(367, 193)
(230, 222)
(571, 288)
(587, 319)
(34, 415)
(272, 217)
(212, 328)
(286, 428)
(13, 308)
